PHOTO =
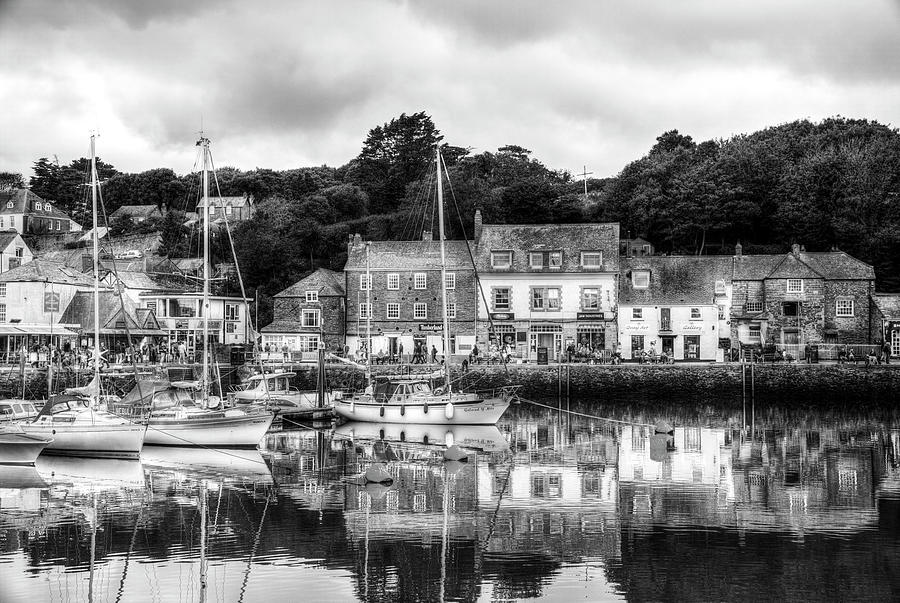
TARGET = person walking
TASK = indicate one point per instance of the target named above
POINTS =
(433, 355)
(400, 352)
(886, 351)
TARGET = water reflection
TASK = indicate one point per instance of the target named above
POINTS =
(538, 508)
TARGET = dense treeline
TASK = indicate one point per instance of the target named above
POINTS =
(825, 185)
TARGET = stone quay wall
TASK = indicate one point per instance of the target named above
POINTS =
(803, 383)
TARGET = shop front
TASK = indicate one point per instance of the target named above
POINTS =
(891, 333)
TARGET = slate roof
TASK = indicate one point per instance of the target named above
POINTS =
(141, 321)
(888, 304)
(24, 203)
(831, 265)
(240, 201)
(156, 281)
(326, 282)
(142, 211)
(572, 239)
(7, 237)
(287, 326)
(407, 255)
(674, 280)
(39, 270)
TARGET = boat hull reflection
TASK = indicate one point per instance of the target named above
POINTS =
(473, 437)
(226, 464)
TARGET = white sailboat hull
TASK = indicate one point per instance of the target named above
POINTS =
(101, 440)
(21, 448)
(475, 437)
(220, 432)
(444, 410)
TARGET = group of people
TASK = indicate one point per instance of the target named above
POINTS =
(420, 355)
(881, 356)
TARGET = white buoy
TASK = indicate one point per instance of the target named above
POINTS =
(663, 427)
(448, 410)
(378, 474)
(448, 439)
(455, 453)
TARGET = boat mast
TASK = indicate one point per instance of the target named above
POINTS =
(368, 318)
(204, 306)
(440, 212)
(96, 243)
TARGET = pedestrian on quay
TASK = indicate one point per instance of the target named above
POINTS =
(886, 351)
(400, 352)
(433, 355)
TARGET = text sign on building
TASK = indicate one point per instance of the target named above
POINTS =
(503, 316)
(431, 327)
(51, 302)
(637, 328)
(590, 316)
(691, 327)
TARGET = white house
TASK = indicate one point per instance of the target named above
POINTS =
(23, 211)
(547, 286)
(180, 313)
(679, 305)
(13, 250)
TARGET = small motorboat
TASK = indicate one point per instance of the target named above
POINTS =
(13, 411)
(20, 448)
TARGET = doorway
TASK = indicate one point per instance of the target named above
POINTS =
(691, 347)
(668, 345)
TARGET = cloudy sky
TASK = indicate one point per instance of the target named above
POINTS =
(300, 83)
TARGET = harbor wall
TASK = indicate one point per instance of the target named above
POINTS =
(775, 382)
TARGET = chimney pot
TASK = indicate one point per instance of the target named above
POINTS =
(795, 249)
(738, 249)
(479, 225)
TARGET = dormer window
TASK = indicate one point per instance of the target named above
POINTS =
(47, 207)
(37, 205)
(536, 259)
(555, 259)
(9, 205)
(501, 259)
(591, 259)
(640, 279)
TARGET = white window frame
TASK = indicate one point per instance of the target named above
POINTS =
(753, 306)
(365, 310)
(2, 312)
(557, 265)
(311, 318)
(2, 289)
(546, 298)
(536, 255)
(637, 314)
(508, 307)
(420, 280)
(794, 289)
(721, 309)
(450, 280)
(229, 210)
(590, 254)
(640, 273)
(393, 281)
(598, 297)
(365, 282)
(392, 311)
(9, 204)
(38, 205)
(451, 309)
(312, 296)
(232, 312)
(839, 313)
(420, 311)
(696, 314)
(496, 255)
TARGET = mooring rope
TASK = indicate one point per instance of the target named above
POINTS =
(585, 415)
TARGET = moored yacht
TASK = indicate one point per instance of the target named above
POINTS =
(20, 448)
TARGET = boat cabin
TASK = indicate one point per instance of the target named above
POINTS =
(17, 410)
(273, 383)
(393, 391)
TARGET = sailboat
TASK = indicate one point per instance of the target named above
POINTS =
(412, 399)
(184, 413)
(76, 425)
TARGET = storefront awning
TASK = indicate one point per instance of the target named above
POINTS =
(124, 333)
(10, 330)
(42, 330)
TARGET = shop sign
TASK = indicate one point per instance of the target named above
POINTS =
(691, 327)
(214, 325)
(431, 327)
(503, 316)
(181, 324)
(637, 328)
(590, 316)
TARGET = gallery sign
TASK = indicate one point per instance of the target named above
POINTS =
(691, 327)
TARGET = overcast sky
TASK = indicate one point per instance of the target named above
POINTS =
(291, 84)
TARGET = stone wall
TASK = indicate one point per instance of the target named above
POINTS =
(800, 383)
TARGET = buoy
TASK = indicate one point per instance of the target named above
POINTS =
(448, 410)
(448, 439)
(425, 408)
(378, 474)
(663, 427)
(455, 453)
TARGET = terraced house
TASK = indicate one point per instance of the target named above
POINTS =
(546, 286)
(394, 290)
(801, 298)
(309, 311)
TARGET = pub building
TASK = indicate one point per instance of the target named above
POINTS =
(393, 294)
(886, 323)
(674, 305)
(546, 287)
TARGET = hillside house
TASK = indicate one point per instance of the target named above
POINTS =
(26, 213)
(308, 312)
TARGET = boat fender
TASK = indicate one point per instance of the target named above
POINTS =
(448, 410)
(403, 410)
(448, 441)
(425, 408)
(378, 474)
(381, 411)
(352, 405)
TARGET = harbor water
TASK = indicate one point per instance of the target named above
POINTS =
(758, 502)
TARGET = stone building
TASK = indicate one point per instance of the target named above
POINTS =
(546, 286)
(886, 320)
(401, 303)
(675, 304)
(801, 298)
(309, 311)
(23, 211)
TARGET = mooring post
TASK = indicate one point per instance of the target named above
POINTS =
(559, 385)
(744, 391)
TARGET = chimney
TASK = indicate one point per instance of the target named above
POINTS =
(479, 225)
(427, 235)
(738, 249)
(795, 249)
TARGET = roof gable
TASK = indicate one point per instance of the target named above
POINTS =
(407, 255)
(792, 266)
(674, 280)
(326, 282)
